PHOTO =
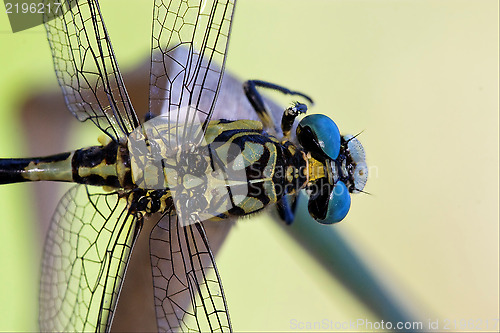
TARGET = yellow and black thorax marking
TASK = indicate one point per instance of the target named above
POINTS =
(238, 167)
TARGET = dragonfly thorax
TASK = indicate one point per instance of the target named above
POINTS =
(236, 169)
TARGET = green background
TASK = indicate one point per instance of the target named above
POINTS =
(420, 78)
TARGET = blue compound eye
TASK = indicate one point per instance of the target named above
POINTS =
(320, 135)
(327, 206)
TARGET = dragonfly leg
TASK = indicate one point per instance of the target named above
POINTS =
(289, 116)
(286, 208)
(255, 98)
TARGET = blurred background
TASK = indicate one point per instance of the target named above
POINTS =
(419, 78)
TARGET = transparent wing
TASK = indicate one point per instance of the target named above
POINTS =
(87, 70)
(187, 289)
(232, 104)
(178, 84)
(85, 258)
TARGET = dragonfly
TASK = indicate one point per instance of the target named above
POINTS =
(184, 164)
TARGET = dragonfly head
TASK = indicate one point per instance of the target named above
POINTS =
(337, 167)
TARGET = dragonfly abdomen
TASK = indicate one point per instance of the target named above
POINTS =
(102, 166)
(98, 165)
(55, 167)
